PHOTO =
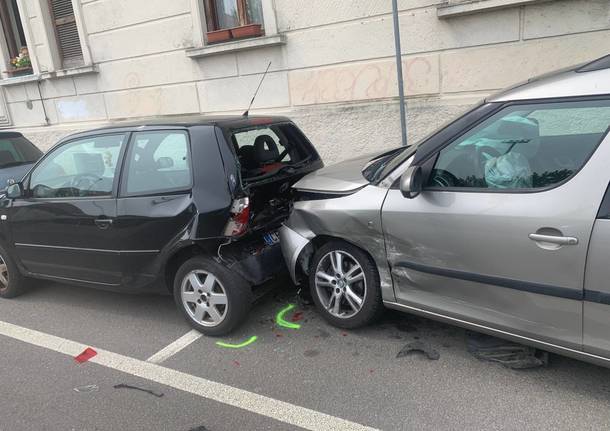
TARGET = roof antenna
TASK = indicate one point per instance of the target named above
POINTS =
(245, 114)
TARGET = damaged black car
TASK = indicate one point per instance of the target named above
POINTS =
(186, 206)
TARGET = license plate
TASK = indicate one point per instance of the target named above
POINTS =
(271, 238)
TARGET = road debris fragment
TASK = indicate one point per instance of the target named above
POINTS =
(510, 355)
(148, 391)
(86, 354)
(87, 389)
(279, 319)
(419, 346)
(249, 341)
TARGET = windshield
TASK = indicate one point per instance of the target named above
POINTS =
(17, 150)
(383, 165)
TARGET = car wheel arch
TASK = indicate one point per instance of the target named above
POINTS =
(319, 240)
(178, 257)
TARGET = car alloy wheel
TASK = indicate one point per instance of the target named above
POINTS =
(204, 298)
(340, 284)
(3, 274)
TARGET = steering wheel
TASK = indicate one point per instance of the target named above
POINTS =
(442, 178)
(84, 181)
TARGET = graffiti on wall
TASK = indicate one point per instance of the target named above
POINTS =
(372, 80)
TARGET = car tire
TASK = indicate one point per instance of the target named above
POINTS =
(12, 283)
(213, 299)
(323, 288)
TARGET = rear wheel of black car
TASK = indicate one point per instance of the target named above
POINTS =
(12, 283)
(345, 285)
(213, 299)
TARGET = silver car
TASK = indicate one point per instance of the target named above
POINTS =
(498, 222)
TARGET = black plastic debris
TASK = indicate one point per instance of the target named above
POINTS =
(511, 355)
(419, 347)
(304, 297)
(199, 428)
(148, 391)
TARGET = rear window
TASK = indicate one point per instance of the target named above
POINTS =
(265, 150)
(16, 151)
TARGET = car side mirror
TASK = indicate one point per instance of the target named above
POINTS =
(411, 182)
(14, 191)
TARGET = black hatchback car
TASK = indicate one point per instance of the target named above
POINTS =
(191, 206)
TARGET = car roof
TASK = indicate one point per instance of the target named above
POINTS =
(10, 135)
(181, 122)
(589, 79)
(228, 121)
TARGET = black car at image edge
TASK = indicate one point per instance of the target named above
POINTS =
(190, 206)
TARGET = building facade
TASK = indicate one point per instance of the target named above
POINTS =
(69, 65)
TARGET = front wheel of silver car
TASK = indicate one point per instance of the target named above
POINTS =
(213, 299)
(345, 285)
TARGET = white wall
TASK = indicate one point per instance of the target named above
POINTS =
(335, 75)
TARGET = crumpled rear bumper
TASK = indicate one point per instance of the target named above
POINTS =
(293, 244)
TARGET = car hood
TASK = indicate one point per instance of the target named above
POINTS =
(13, 173)
(338, 178)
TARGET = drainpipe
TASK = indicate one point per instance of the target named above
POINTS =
(401, 89)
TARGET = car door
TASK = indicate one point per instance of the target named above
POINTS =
(155, 207)
(62, 227)
(499, 235)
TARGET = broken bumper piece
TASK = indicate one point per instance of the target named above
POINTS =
(293, 245)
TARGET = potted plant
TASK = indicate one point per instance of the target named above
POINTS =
(219, 36)
(22, 65)
(250, 30)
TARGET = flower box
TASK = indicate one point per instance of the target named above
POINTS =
(20, 71)
(219, 36)
(250, 30)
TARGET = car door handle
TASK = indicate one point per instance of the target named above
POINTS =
(559, 240)
(103, 223)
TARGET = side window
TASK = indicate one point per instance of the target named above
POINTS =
(524, 147)
(158, 162)
(82, 168)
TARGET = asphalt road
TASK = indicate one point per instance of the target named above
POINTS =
(352, 375)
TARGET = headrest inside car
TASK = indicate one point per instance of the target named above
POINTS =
(266, 149)
(247, 157)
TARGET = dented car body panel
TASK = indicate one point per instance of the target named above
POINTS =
(131, 241)
(524, 261)
(355, 217)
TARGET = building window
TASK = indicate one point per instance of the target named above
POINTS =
(233, 19)
(66, 32)
(14, 37)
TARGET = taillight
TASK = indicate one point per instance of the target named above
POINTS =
(240, 215)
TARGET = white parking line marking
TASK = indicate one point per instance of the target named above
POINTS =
(275, 409)
(173, 348)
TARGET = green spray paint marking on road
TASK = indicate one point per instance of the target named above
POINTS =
(279, 319)
(251, 340)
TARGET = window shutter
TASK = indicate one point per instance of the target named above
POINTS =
(67, 32)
